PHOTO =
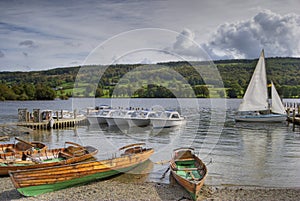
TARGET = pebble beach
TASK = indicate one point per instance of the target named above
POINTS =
(113, 189)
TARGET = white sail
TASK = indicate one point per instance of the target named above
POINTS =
(256, 96)
(277, 106)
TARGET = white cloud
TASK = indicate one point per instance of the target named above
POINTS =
(186, 46)
(277, 34)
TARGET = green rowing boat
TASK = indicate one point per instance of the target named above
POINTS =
(188, 170)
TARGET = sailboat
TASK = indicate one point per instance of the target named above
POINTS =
(255, 106)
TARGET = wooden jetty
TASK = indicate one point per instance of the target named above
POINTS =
(43, 120)
(293, 112)
(61, 123)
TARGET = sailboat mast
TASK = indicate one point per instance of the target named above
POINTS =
(265, 72)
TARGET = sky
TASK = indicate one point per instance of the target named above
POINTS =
(41, 35)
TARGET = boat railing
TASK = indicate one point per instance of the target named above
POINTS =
(132, 145)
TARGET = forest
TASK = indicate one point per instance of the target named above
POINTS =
(162, 80)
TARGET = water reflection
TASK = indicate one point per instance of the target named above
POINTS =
(139, 174)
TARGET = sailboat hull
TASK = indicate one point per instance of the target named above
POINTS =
(262, 118)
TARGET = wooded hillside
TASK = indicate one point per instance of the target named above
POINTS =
(173, 79)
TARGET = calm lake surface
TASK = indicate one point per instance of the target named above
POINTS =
(236, 153)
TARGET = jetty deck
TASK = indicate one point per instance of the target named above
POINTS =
(56, 124)
(45, 119)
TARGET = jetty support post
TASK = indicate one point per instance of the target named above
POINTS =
(22, 115)
(57, 117)
(288, 116)
(36, 115)
(75, 114)
(294, 117)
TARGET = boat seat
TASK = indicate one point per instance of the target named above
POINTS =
(65, 154)
(75, 151)
(134, 150)
(192, 175)
(189, 169)
(184, 159)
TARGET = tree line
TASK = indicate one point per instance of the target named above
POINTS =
(26, 92)
(164, 80)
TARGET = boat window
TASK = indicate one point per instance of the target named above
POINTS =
(134, 114)
(152, 115)
(175, 116)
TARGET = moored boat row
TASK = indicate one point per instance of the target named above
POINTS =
(131, 118)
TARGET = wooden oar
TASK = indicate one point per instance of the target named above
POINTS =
(164, 174)
(162, 162)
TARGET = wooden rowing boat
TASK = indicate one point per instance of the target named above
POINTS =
(28, 160)
(21, 146)
(188, 170)
(43, 180)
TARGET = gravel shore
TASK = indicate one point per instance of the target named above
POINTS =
(114, 189)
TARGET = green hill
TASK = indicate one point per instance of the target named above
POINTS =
(172, 79)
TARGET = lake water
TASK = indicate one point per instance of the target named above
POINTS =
(236, 153)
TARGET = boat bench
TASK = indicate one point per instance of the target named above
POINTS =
(191, 174)
(65, 155)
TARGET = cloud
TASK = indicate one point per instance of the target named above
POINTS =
(27, 43)
(277, 34)
(2, 54)
(186, 46)
(72, 44)
(68, 32)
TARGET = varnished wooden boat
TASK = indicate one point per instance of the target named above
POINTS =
(188, 170)
(43, 180)
(21, 146)
(29, 159)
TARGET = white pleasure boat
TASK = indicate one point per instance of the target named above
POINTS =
(167, 119)
(140, 118)
(118, 117)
